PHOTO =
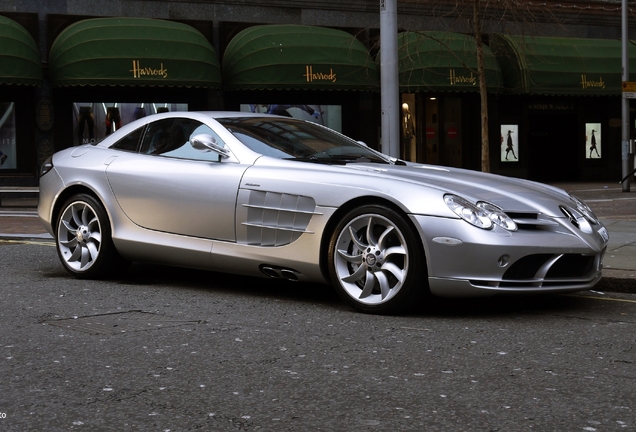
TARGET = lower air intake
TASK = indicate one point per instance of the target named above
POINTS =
(549, 266)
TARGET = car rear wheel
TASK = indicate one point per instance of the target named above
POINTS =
(83, 239)
(376, 262)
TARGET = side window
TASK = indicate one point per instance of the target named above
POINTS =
(171, 138)
(158, 137)
(130, 141)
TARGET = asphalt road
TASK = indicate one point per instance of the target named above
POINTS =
(171, 350)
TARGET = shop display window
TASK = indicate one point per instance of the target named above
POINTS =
(326, 115)
(92, 121)
(8, 140)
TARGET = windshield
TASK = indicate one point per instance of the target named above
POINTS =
(284, 138)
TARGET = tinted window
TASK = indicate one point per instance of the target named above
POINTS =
(130, 141)
(171, 138)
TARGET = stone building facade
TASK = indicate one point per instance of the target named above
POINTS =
(537, 132)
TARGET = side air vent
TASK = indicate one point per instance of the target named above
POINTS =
(277, 219)
(530, 221)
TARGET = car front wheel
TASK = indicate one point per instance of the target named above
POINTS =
(83, 239)
(375, 260)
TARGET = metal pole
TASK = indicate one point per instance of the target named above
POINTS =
(625, 105)
(389, 78)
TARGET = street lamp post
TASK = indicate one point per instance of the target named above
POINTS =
(389, 78)
(625, 106)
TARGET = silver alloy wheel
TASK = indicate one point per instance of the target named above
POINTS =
(372, 259)
(79, 236)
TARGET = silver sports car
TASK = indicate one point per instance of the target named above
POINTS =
(253, 194)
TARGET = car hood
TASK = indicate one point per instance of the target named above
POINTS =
(510, 194)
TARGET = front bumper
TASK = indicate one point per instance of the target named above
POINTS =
(465, 261)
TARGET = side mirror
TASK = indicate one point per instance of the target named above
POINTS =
(205, 142)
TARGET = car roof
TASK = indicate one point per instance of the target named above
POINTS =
(233, 114)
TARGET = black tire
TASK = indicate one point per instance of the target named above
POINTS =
(376, 261)
(83, 240)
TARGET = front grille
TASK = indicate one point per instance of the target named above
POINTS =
(549, 266)
(571, 266)
(527, 267)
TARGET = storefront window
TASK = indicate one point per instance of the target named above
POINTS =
(509, 143)
(592, 140)
(7, 136)
(326, 115)
(92, 121)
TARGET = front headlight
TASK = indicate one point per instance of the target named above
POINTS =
(497, 216)
(467, 211)
(585, 210)
(483, 215)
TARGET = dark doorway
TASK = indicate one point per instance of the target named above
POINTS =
(552, 147)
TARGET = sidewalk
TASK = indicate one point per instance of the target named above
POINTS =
(22, 224)
(616, 209)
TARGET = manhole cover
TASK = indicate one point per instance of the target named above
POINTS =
(119, 322)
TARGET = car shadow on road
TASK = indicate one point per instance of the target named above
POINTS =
(147, 274)
(142, 274)
(157, 275)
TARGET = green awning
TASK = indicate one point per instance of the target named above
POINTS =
(442, 61)
(297, 57)
(20, 61)
(134, 52)
(560, 66)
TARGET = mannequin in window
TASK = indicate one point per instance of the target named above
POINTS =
(85, 118)
(113, 120)
(139, 112)
(408, 132)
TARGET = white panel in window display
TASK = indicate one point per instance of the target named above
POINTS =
(593, 140)
(509, 143)
(7, 136)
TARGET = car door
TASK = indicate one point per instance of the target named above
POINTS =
(171, 187)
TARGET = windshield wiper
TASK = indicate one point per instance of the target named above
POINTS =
(356, 159)
(310, 159)
(339, 159)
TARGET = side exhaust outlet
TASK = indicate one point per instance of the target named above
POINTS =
(279, 273)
